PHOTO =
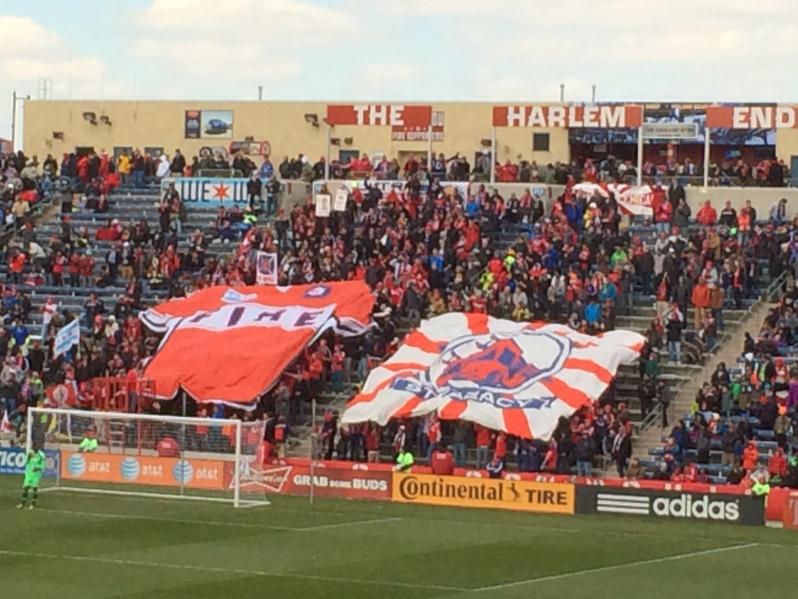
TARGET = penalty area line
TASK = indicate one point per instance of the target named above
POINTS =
(113, 516)
(645, 562)
(218, 570)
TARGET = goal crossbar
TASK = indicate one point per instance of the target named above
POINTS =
(146, 455)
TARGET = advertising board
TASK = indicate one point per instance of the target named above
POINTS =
(12, 461)
(143, 470)
(334, 479)
(507, 494)
(719, 507)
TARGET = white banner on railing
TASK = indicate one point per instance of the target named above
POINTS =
(266, 268)
(323, 204)
(341, 196)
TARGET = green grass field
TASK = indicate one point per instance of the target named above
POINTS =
(91, 546)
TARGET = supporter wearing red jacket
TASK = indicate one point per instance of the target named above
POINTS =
(73, 268)
(478, 303)
(441, 461)
(372, 443)
(777, 464)
(500, 451)
(663, 214)
(433, 433)
(483, 443)
(700, 299)
(507, 173)
(707, 215)
(86, 268)
(16, 265)
(750, 456)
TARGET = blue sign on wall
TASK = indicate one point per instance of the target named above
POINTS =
(12, 461)
(208, 191)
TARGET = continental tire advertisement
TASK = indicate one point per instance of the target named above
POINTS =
(712, 507)
(457, 491)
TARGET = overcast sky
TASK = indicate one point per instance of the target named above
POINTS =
(696, 50)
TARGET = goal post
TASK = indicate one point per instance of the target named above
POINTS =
(147, 455)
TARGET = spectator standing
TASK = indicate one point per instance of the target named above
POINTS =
(483, 444)
(707, 215)
(664, 397)
(622, 450)
(583, 451)
(460, 435)
(372, 443)
(700, 299)
(433, 434)
(675, 324)
(178, 165)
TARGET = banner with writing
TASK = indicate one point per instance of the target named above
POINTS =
(208, 191)
(266, 268)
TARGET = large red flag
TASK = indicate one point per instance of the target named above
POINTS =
(231, 345)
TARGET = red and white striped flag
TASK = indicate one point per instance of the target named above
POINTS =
(518, 377)
(6, 426)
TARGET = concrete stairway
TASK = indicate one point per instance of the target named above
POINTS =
(651, 437)
(129, 206)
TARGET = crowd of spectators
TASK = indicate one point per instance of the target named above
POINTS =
(137, 167)
(746, 414)
(426, 255)
(423, 254)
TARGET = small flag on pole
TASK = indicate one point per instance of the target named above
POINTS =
(6, 426)
(67, 337)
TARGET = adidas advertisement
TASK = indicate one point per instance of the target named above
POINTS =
(712, 507)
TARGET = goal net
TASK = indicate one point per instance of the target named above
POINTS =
(147, 455)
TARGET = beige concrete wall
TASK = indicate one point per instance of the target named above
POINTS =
(282, 124)
(787, 144)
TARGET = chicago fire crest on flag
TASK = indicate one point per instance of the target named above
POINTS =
(518, 377)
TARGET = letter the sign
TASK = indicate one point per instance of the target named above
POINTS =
(394, 115)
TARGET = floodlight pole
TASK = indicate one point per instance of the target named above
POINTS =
(312, 450)
(327, 162)
(493, 155)
(707, 135)
(13, 118)
(429, 148)
(639, 156)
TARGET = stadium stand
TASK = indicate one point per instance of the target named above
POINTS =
(118, 245)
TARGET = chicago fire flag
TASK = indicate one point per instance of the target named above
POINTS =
(513, 376)
(231, 345)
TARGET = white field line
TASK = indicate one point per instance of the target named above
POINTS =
(558, 529)
(243, 572)
(113, 516)
(645, 562)
(345, 524)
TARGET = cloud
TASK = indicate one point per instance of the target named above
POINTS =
(32, 52)
(387, 73)
(233, 19)
(633, 50)
(239, 39)
(449, 8)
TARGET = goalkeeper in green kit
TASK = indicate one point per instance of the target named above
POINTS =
(34, 468)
